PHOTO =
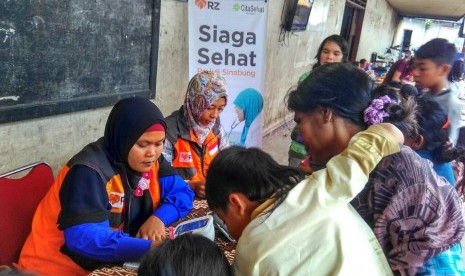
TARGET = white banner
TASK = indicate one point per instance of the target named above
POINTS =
(229, 38)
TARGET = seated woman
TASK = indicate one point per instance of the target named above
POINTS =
(400, 73)
(111, 202)
(287, 224)
(195, 134)
(187, 254)
(406, 204)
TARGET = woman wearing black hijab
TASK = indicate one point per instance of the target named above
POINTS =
(111, 202)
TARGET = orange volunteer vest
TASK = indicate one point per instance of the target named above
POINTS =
(192, 161)
(41, 252)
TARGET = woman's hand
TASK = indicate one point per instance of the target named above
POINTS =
(198, 186)
(152, 229)
(155, 244)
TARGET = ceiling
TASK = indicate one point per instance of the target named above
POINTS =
(435, 9)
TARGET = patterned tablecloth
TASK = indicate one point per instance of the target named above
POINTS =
(200, 209)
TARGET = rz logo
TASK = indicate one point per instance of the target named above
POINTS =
(116, 199)
(211, 5)
(214, 5)
(201, 3)
(185, 157)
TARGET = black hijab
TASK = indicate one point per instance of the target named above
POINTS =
(127, 121)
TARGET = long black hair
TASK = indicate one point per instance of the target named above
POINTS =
(434, 127)
(348, 91)
(340, 86)
(249, 171)
(456, 74)
(402, 110)
(340, 41)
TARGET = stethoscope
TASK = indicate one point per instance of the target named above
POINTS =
(234, 124)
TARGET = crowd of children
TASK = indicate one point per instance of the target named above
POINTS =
(369, 189)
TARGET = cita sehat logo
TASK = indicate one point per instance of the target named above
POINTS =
(201, 3)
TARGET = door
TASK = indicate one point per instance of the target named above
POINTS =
(406, 40)
(352, 21)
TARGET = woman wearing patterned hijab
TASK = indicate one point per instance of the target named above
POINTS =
(195, 135)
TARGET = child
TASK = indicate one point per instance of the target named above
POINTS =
(111, 202)
(286, 224)
(364, 65)
(195, 134)
(457, 78)
(433, 62)
(188, 254)
(433, 144)
(433, 141)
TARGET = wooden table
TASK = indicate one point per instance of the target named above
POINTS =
(200, 209)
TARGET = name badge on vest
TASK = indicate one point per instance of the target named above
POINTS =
(213, 149)
(185, 156)
(116, 199)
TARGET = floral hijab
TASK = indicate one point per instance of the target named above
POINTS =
(203, 90)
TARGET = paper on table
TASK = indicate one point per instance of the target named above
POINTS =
(131, 265)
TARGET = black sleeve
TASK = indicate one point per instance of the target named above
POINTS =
(165, 167)
(83, 198)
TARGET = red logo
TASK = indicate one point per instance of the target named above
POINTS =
(201, 3)
(114, 198)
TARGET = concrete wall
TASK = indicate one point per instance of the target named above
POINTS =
(421, 34)
(379, 27)
(55, 139)
(287, 60)
(173, 56)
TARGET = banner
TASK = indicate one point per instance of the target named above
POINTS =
(229, 38)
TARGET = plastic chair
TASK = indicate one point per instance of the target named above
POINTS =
(19, 198)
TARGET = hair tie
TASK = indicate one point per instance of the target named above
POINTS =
(446, 123)
(374, 114)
